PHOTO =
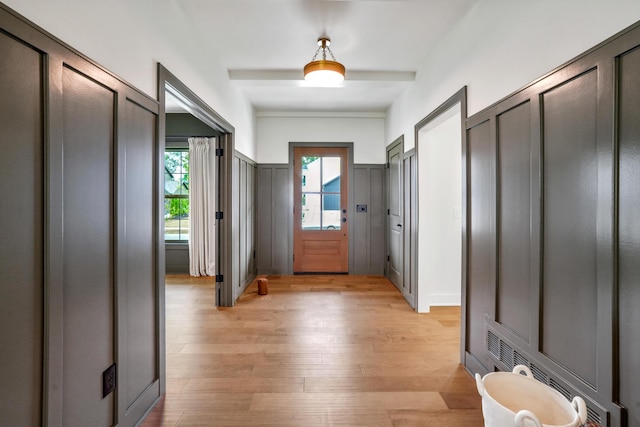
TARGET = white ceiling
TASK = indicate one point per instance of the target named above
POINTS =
(264, 44)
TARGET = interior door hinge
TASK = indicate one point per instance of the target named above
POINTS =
(109, 380)
(219, 152)
(219, 278)
(388, 258)
(219, 215)
(388, 212)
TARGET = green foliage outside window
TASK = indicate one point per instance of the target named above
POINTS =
(176, 195)
(178, 208)
(177, 163)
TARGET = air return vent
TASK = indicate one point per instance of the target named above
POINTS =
(493, 344)
(507, 358)
(539, 374)
(506, 354)
(519, 359)
(593, 415)
(563, 391)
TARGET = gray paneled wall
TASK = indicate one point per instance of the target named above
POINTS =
(514, 207)
(570, 192)
(275, 221)
(138, 296)
(243, 222)
(79, 277)
(553, 231)
(481, 237)
(176, 258)
(368, 227)
(22, 214)
(629, 232)
(88, 270)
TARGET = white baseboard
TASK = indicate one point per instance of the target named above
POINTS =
(435, 300)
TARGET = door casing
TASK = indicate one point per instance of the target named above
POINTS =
(351, 205)
(460, 97)
(324, 240)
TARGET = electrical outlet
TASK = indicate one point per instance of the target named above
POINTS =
(108, 380)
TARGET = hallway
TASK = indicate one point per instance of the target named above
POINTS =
(316, 351)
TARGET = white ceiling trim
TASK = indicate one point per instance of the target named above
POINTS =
(323, 114)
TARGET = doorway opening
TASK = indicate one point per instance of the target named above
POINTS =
(440, 196)
(440, 139)
(199, 117)
(189, 210)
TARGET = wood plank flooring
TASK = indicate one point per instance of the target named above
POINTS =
(316, 351)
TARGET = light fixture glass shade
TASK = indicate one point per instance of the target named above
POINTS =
(324, 72)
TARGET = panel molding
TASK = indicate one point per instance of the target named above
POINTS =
(369, 235)
(577, 335)
(243, 223)
(274, 220)
(514, 262)
(64, 69)
(22, 227)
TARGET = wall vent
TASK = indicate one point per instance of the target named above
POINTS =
(519, 359)
(539, 374)
(563, 391)
(506, 354)
(493, 344)
(509, 358)
(593, 415)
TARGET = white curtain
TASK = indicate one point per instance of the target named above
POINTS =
(202, 207)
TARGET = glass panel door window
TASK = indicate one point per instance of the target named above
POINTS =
(321, 193)
(176, 196)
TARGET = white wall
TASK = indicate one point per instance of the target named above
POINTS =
(439, 218)
(275, 130)
(497, 48)
(502, 45)
(129, 38)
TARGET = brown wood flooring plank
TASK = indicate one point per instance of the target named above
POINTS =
(423, 400)
(316, 351)
(247, 385)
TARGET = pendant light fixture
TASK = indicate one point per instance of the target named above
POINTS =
(324, 72)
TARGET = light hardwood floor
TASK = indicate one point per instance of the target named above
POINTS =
(316, 351)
